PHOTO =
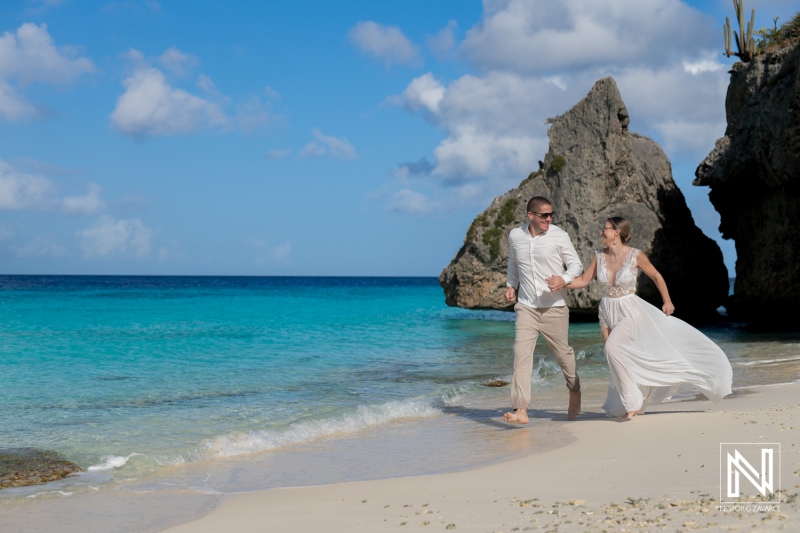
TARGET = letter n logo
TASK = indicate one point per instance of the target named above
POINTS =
(748, 469)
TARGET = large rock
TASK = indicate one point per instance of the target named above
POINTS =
(596, 169)
(20, 467)
(754, 175)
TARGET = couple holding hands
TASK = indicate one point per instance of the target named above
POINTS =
(650, 353)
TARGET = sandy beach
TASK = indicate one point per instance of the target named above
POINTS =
(658, 471)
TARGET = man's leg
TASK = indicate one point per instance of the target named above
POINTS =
(555, 328)
(526, 331)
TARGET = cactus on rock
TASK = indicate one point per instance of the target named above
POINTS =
(744, 43)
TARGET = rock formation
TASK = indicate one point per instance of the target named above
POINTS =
(20, 467)
(754, 175)
(595, 168)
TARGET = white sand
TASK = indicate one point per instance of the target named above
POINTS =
(660, 471)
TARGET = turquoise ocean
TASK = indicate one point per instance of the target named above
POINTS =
(132, 377)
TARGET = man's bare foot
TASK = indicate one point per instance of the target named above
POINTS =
(519, 416)
(629, 415)
(574, 405)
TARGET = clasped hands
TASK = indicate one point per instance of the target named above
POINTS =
(555, 283)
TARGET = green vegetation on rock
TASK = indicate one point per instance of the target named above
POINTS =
(481, 221)
(558, 163)
(492, 238)
(770, 39)
(752, 43)
(506, 214)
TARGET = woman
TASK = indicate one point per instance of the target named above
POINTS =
(650, 353)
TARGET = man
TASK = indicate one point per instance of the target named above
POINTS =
(537, 253)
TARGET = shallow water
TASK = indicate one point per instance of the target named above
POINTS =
(131, 377)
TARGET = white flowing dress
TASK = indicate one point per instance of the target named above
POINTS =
(651, 355)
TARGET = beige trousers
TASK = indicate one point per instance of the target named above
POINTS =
(553, 323)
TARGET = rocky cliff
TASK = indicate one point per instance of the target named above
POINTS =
(595, 168)
(754, 175)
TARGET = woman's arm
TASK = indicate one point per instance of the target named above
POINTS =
(647, 267)
(586, 278)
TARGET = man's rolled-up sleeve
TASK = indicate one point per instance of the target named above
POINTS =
(570, 258)
(512, 272)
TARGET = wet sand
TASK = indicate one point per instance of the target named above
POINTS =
(660, 471)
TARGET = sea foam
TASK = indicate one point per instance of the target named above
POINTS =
(364, 417)
(111, 462)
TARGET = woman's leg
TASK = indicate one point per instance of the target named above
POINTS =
(628, 390)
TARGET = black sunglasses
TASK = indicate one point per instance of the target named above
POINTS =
(550, 215)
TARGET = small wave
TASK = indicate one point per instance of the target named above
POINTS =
(545, 368)
(592, 353)
(112, 461)
(364, 417)
(61, 492)
(767, 361)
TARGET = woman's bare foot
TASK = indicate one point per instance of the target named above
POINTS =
(519, 416)
(574, 405)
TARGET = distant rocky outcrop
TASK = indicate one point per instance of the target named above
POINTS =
(595, 168)
(20, 467)
(754, 175)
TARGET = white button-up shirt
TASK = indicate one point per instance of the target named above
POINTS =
(531, 260)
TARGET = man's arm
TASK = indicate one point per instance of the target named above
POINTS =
(570, 258)
(512, 272)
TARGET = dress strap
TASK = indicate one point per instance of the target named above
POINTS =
(633, 255)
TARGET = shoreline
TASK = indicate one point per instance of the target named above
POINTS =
(661, 470)
(662, 467)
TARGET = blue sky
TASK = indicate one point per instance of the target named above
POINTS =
(319, 138)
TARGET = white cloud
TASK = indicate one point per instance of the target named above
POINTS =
(423, 93)
(540, 36)
(326, 145)
(660, 99)
(312, 149)
(30, 56)
(472, 153)
(87, 204)
(444, 42)
(272, 93)
(177, 62)
(206, 84)
(536, 59)
(21, 190)
(13, 107)
(412, 169)
(383, 42)
(109, 236)
(41, 247)
(702, 65)
(151, 106)
(411, 202)
(494, 124)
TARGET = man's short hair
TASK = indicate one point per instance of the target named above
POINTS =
(537, 202)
